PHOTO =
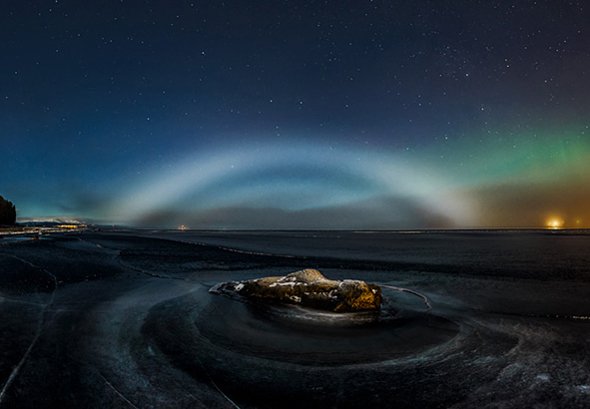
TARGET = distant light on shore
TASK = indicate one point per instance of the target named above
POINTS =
(555, 223)
(182, 227)
(71, 226)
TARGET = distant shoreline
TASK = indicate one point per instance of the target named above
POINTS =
(28, 230)
(376, 231)
(60, 228)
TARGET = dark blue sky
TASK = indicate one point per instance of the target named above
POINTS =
(335, 114)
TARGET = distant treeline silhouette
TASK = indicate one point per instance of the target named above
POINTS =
(7, 212)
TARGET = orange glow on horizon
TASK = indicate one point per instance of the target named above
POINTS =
(555, 223)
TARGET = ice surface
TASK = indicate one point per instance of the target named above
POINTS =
(132, 323)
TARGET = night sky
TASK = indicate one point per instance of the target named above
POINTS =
(297, 114)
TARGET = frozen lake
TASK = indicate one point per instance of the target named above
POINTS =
(125, 319)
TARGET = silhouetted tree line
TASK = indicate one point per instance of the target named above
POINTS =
(7, 212)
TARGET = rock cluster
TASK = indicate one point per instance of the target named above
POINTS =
(309, 288)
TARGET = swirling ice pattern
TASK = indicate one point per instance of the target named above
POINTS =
(155, 337)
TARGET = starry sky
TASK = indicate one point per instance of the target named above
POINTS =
(297, 114)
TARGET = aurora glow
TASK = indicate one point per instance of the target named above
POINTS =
(298, 115)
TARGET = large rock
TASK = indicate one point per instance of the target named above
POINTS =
(309, 288)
